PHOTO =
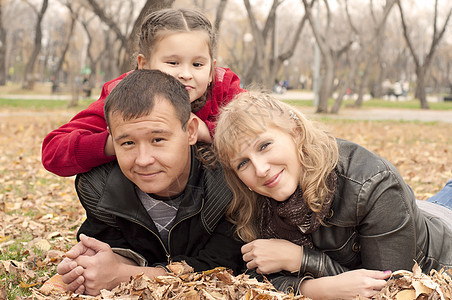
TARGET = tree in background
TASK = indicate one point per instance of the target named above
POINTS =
(2, 48)
(28, 76)
(127, 39)
(332, 47)
(421, 62)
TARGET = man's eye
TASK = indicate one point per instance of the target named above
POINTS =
(157, 140)
(128, 143)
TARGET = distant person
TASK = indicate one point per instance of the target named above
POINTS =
(321, 216)
(160, 202)
(180, 42)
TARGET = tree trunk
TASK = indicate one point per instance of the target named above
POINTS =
(326, 85)
(219, 15)
(28, 79)
(62, 56)
(127, 42)
(343, 90)
(2, 48)
(421, 69)
(420, 87)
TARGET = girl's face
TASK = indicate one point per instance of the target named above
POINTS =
(268, 164)
(185, 56)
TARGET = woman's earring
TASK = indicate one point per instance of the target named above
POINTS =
(250, 189)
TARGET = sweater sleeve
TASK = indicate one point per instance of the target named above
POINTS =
(78, 145)
(227, 85)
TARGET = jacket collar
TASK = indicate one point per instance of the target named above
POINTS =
(119, 197)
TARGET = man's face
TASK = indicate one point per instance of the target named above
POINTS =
(153, 151)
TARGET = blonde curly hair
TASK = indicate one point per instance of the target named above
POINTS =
(247, 116)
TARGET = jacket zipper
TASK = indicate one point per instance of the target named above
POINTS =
(181, 220)
(157, 236)
(168, 255)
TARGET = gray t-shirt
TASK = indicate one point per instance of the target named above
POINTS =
(162, 212)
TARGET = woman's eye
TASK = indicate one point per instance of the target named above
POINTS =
(264, 146)
(242, 164)
(172, 63)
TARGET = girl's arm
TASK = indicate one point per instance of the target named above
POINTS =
(79, 145)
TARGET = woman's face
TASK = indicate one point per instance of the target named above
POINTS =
(268, 164)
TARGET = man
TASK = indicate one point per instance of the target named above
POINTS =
(158, 203)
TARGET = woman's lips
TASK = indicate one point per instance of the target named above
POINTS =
(272, 182)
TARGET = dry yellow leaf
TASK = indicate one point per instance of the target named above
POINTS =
(406, 295)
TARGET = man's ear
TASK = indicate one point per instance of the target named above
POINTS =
(142, 62)
(192, 129)
(108, 130)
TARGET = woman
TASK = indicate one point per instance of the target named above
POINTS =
(313, 206)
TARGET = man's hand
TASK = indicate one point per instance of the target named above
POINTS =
(72, 273)
(101, 266)
(272, 255)
(91, 266)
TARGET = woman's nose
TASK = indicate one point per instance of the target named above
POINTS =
(262, 167)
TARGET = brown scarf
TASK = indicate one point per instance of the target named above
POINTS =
(292, 219)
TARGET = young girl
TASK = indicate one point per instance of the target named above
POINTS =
(179, 42)
(313, 206)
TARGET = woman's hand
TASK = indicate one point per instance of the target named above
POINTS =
(272, 255)
(348, 285)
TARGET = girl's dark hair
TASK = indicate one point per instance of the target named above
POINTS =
(159, 23)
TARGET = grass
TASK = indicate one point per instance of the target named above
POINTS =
(41, 104)
(377, 103)
(15, 253)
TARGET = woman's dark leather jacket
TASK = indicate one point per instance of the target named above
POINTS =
(374, 223)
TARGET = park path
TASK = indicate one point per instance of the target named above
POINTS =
(344, 113)
(372, 113)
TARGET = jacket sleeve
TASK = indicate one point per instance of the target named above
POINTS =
(386, 222)
(282, 281)
(318, 264)
(98, 224)
(385, 227)
(78, 146)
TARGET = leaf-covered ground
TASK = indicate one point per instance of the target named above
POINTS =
(39, 212)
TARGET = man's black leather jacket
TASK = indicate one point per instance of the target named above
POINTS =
(200, 235)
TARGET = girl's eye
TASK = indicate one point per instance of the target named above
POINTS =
(264, 146)
(242, 164)
(197, 65)
(172, 63)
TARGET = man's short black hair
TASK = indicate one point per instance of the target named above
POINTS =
(136, 94)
